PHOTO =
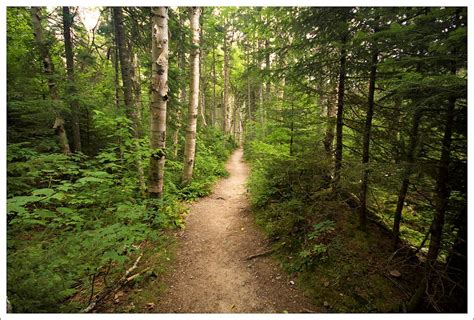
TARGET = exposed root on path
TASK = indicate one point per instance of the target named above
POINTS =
(260, 254)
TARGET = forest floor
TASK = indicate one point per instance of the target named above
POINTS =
(215, 264)
(212, 272)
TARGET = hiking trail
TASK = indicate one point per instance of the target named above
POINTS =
(212, 272)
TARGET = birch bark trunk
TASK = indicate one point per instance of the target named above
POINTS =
(159, 100)
(190, 145)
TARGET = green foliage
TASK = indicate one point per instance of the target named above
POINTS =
(289, 194)
(212, 150)
(87, 217)
(71, 216)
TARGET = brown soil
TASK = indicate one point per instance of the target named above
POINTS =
(211, 272)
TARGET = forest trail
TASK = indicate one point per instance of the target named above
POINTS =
(211, 272)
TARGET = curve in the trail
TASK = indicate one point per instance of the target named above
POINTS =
(211, 272)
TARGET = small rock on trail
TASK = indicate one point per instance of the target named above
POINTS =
(211, 273)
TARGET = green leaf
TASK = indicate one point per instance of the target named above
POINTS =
(58, 196)
(89, 179)
(43, 213)
(16, 204)
(65, 210)
(43, 192)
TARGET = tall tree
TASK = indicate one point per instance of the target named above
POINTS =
(159, 99)
(331, 113)
(410, 160)
(48, 69)
(340, 112)
(202, 80)
(125, 67)
(190, 145)
(442, 182)
(182, 90)
(366, 140)
(71, 86)
(227, 113)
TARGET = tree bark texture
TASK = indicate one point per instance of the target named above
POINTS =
(340, 114)
(410, 160)
(366, 141)
(442, 190)
(125, 68)
(267, 66)
(331, 114)
(48, 70)
(71, 87)
(227, 113)
(137, 93)
(202, 92)
(214, 80)
(190, 144)
(159, 100)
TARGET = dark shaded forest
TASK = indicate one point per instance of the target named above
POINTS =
(353, 121)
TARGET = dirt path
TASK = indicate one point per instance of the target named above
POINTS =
(211, 273)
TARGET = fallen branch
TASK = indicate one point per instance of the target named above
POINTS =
(260, 254)
(138, 274)
(134, 265)
(116, 286)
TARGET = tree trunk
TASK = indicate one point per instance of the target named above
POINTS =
(137, 92)
(249, 103)
(71, 87)
(48, 70)
(203, 107)
(227, 114)
(340, 113)
(190, 145)
(231, 113)
(235, 119)
(457, 259)
(182, 92)
(116, 77)
(292, 127)
(176, 133)
(116, 64)
(159, 99)
(442, 190)
(127, 75)
(125, 68)
(267, 66)
(441, 203)
(202, 81)
(260, 89)
(330, 126)
(241, 129)
(366, 142)
(214, 80)
(410, 160)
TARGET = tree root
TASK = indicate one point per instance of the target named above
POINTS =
(260, 254)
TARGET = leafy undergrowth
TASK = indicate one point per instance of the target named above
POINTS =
(341, 267)
(76, 223)
(317, 239)
(354, 274)
(140, 295)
